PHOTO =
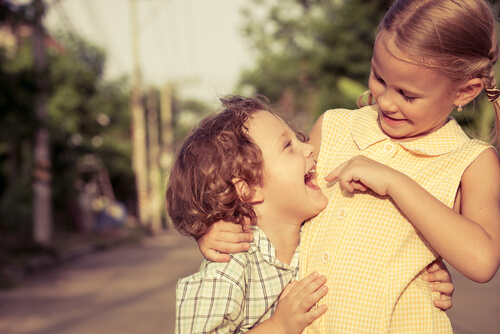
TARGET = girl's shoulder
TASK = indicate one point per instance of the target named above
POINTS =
(342, 113)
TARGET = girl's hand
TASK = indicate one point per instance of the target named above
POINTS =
(223, 238)
(439, 279)
(361, 173)
(297, 307)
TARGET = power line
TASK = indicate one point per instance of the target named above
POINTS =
(102, 32)
(191, 38)
(63, 16)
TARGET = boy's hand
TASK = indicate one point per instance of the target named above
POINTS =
(439, 279)
(223, 238)
(297, 307)
(361, 173)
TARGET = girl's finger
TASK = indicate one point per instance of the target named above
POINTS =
(435, 266)
(215, 256)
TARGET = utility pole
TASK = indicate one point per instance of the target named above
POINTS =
(154, 161)
(138, 128)
(167, 128)
(167, 134)
(42, 176)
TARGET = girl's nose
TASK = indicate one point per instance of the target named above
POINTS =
(386, 101)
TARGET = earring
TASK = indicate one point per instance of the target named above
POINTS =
(459, 108)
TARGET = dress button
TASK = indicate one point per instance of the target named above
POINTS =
(389, 147)
(325, 258)
(342, 214)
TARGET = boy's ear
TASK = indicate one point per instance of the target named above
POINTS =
(247, 193)
(469, 91)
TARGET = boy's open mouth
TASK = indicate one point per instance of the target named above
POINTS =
(310, 178)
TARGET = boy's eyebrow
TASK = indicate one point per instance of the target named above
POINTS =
(283, 137)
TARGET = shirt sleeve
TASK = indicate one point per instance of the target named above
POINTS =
(208, 305)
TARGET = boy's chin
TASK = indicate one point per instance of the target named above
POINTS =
(321, 205)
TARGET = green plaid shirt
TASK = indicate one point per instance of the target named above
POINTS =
(234, 296)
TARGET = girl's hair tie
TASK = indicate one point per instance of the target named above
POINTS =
(493, 94)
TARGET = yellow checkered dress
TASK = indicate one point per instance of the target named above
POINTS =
(373, 257)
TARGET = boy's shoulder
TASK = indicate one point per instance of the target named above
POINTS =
(258, 258)
(233, 272)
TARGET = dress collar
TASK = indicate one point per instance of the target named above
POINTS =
(365, 131)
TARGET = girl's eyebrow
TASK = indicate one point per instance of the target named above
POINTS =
(375, 73)
(404, 90)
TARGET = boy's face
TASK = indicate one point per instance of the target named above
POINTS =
(289, 189)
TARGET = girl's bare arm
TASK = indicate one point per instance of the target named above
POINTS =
(469, 240)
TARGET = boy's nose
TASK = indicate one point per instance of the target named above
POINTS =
(308, 150)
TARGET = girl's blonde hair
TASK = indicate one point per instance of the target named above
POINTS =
(456, 37)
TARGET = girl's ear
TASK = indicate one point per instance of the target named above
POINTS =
(247, 193)
(469, 91)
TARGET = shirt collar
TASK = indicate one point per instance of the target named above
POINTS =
(365, 131)
(262, 244)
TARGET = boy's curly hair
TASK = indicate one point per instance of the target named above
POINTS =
(200, 189)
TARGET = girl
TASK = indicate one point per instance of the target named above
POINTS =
(429, 56)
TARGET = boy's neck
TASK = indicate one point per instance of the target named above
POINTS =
(284, 236)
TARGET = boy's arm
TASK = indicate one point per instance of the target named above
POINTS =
(469, 241)
(206, 305)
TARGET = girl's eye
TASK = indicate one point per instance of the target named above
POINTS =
(407, 98)
(288, 144)
(379, 79)
(301, 137)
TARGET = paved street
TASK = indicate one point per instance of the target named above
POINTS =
(131, 290)
(126, 290)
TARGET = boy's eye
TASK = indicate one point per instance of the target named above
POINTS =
(288, 144)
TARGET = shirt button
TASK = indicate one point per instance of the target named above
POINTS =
(342, 214)
(388, 148)
(325, 258)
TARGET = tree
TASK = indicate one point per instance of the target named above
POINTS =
(313, 55)
(305, 47)
(88, 123)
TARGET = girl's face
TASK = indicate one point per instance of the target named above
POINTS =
(289, 190)
(413, 100)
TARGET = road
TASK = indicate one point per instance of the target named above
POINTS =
(131, 290)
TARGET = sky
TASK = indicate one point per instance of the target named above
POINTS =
(194, 43)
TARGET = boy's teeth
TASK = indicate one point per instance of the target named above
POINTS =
(312, 171)
(309, 174)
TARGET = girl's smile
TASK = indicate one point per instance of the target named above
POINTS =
(391, 120)
(413, 100)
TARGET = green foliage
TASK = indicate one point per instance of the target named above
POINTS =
(88, 120)
(318, 52)
(306, 47)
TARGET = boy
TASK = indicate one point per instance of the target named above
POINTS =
(246, 163)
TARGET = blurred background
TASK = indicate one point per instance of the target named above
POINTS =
(97, 94)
